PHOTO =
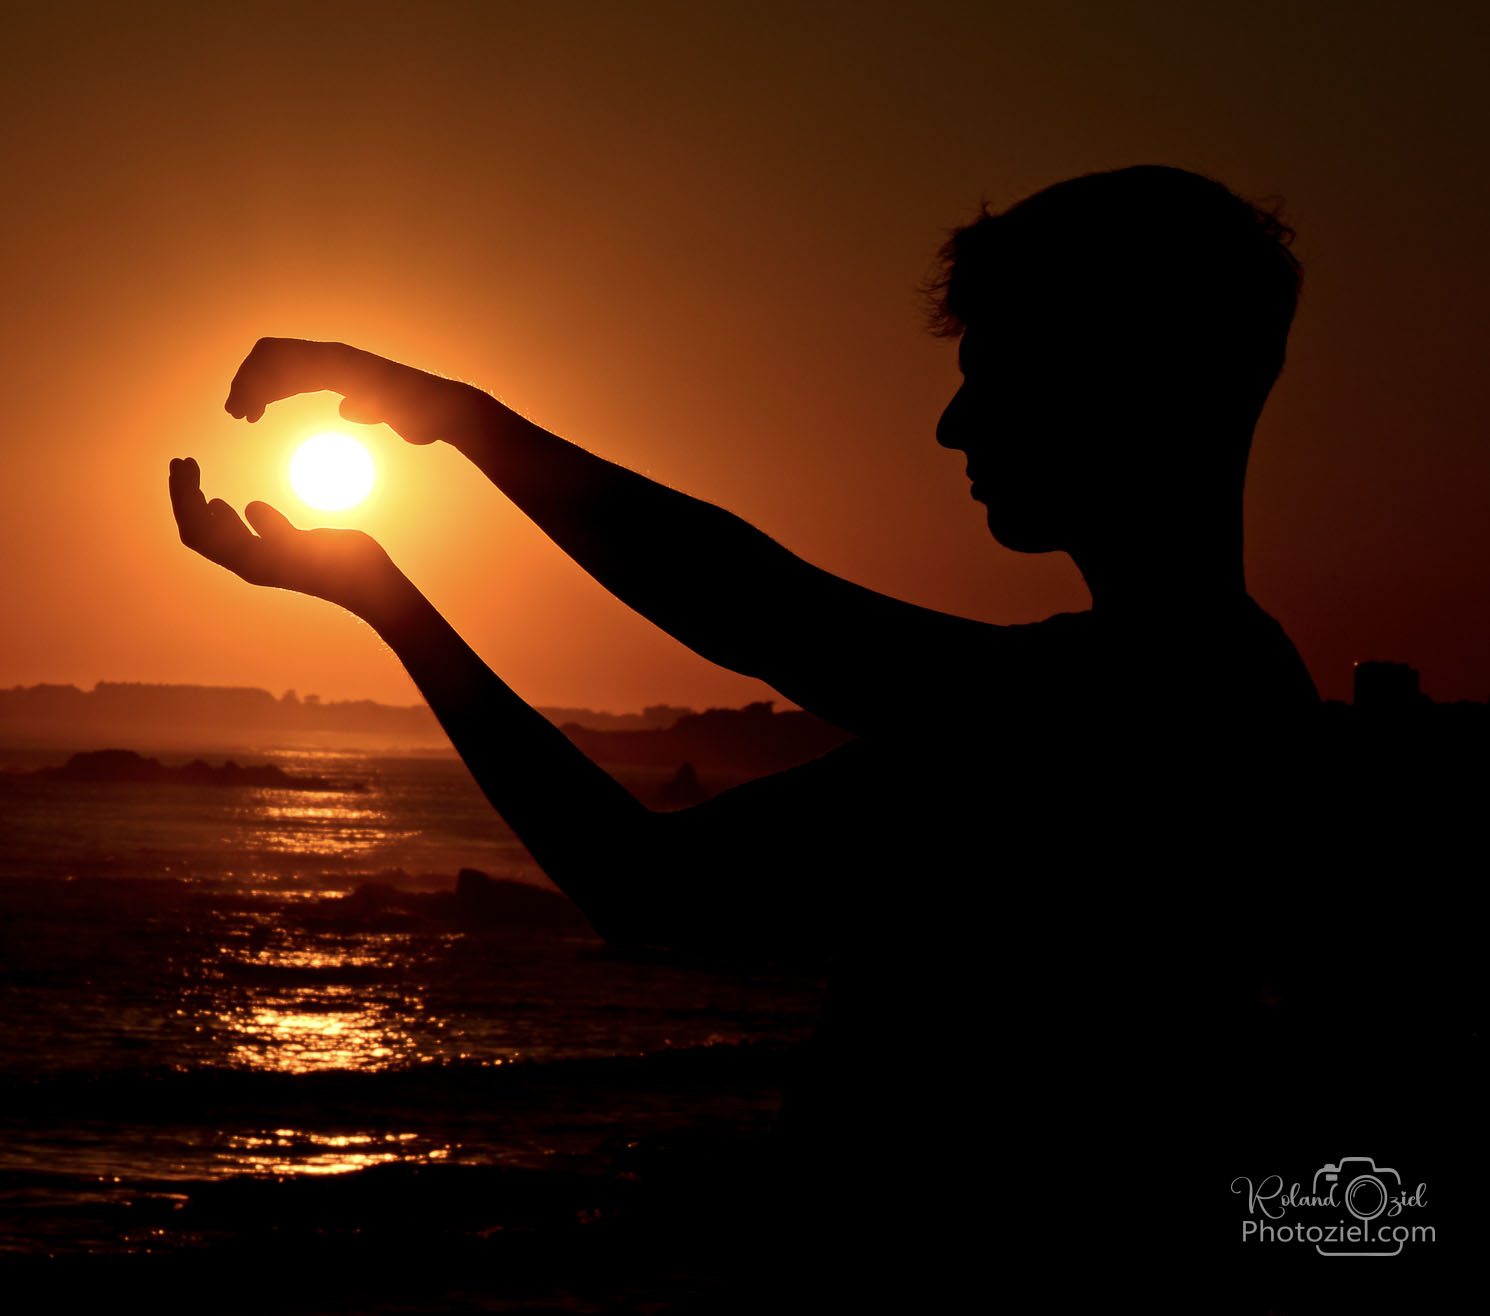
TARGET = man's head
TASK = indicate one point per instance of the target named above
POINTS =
(1120, 333)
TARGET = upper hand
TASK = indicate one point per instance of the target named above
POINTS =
(345, 566)
(419, 406)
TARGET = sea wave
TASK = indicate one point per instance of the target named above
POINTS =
(162, 1092)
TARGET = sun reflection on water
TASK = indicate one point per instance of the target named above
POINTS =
(321, 824)
(306, 1040)
(297, 1151)
(300, 1001)
(307, 1008)
(287, 957)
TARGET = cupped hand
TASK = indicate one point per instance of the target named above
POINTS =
(346, 567)
(419, 406)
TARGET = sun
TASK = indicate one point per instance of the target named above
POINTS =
(332, 472)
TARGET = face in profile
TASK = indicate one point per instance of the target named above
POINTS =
(1028, 420)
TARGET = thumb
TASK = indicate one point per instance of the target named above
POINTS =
(360, 412)
(269, 522)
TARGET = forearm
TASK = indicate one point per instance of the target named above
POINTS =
(591, 837)
(730, 593)
(746, 870)
(708, 578)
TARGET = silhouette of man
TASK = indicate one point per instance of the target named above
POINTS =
(1021, 904)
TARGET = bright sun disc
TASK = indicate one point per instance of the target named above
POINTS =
(332, 472)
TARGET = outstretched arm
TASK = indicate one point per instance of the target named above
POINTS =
(716, 583)
(639, 876)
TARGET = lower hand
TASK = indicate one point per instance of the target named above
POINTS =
(346, 567)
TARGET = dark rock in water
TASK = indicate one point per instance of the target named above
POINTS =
(477, 901)
(122, 765)
(125, 767)
(373, 900)
(683, 790)
(483, 899)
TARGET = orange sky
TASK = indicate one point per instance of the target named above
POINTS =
(688, 237)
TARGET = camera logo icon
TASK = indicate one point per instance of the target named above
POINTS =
(1365, 1189)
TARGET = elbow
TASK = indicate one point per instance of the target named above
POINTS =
(653, 924)
(650, 892)
(621, 930)
(640, 926)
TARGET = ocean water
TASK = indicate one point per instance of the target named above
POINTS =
(205, 1046)
(420, 814)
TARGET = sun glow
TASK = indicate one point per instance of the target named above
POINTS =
(332, 472)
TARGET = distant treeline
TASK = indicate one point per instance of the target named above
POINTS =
(134, 712)
(731, 741)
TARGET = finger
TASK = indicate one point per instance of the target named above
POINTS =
(227, 526)
(212, 529)
(269, 522)
(360, 412)
(187, 502)
(186, 476)
(231, 543)
(279, 368)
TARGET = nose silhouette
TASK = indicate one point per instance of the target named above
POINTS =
(950, 428)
